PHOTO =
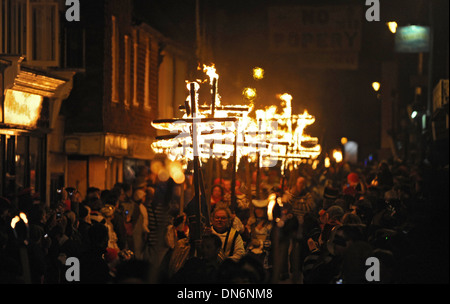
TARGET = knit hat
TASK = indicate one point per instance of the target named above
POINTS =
(353, 178)
(330, 193)
(335, 212)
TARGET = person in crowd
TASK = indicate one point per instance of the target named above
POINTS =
(141, 228)
(384, 179)
(108, 214)
(95, 205)
(93, 192)
(242, 208)
(299, 201)
(232, 243)
(202, 269)
(118, 219)
(130, 212)
(217, 195)
(387, 221)
(94, 269)
(258, 229)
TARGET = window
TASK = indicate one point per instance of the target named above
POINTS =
(115, 60)
(135, 69)
(74, 37)
(127, 76)
(13, 20)
(147, 76)
(31, 28)
(43, 38)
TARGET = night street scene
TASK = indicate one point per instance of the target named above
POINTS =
(224, 143)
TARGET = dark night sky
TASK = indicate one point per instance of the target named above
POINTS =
(342, 101)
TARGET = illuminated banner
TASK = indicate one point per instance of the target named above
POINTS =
(321, 36)
(412, 39)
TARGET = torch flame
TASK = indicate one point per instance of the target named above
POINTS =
(14, 221)
(211, 72)
(23, 217)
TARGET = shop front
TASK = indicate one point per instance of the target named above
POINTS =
(29, 98)
(103, 159)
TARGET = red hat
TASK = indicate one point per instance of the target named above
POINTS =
(353, 178)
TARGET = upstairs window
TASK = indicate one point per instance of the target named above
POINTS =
(114, 59)
(127, 80)
(43, 33)
(13, 21)
(147, 76)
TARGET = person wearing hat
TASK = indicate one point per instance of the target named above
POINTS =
(355, 186)
(258, 227)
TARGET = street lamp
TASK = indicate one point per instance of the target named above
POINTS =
(376, 86)
(249, 93)
(258, 73)
(392, 26)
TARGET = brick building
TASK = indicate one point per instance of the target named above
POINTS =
(131, 75)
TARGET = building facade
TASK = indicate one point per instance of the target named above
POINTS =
(132, 75)
(33, 82)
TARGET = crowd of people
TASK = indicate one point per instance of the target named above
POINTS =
(307, 227)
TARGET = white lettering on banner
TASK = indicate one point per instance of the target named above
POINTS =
(333, 32)
(303, 29)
